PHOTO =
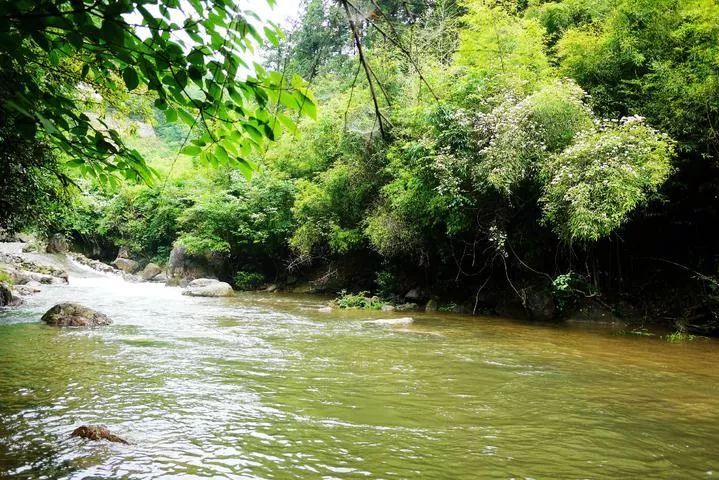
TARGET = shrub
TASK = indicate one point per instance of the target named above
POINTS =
(362, 300)
(594, 184)
(387, 284)
(248, 280)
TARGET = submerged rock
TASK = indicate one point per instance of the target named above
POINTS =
(26, 289)
(151, 271)
(390, 322)
(74, 315)
(97, 432)
(208, 287)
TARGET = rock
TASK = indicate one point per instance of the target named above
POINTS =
(202, 282)
(415, 295)
(26, 289)
(388, 308)
(7, 299)
(540, 305)
(325, 309)
(74, 315)
(390, 322)
(160, 278)
(33, 247)
(151, 271)
(126, 265)
(271, 289)
(25, 270)
(57, 244)
(129, 277)
(208, 287)
(407, 307)
(431, 306)
(124, 252)
(183, 266)
(97, 432)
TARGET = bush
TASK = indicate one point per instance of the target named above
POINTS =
(248, 280)
(387, 284)
(593, 185)
(567, 289)
(362, 300)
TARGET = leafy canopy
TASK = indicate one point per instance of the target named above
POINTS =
(61, 56)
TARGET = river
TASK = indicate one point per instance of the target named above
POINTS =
(264, 386)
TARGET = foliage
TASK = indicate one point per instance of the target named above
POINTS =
(523, 141)
(567, 290)
(246, 222)
(678, 337)
(63, 55)
(143, 220)
(248, 280)
(361, 300)
(32, 183)
(387, 284)
(595, 183)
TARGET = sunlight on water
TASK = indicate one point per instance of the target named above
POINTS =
(265, 386)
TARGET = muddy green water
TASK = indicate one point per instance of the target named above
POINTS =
(267, 387)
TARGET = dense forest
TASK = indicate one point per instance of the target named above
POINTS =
(483, 155)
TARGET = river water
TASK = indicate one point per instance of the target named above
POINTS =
(267, 387)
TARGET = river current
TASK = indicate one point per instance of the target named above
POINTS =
(265, 386)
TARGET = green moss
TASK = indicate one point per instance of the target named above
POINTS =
(6, 277)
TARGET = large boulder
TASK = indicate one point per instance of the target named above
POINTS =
(208, 287)
(183, 266)
(415, 295)
(151, 271)
(7, 299)
(57, 244)
(539, 305)
(126, 265)
(74, 315)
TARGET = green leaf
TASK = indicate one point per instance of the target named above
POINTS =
(221, 154)
(129, 75)
(191, 150)
(186, 117)
(171, 115)
(245, 168)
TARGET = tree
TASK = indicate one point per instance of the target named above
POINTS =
(61, 56)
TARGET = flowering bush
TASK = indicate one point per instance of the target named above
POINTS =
(519, 133)
(594, 184)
